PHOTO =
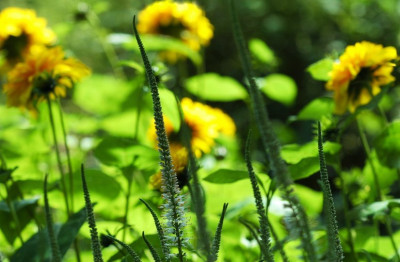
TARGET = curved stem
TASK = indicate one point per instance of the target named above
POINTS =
(70, 171)
(63, 184)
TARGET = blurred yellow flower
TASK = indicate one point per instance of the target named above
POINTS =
(205, 123)
(179, 157)
(358, 75)
(185, 21)
(21, 31)
(44, 73)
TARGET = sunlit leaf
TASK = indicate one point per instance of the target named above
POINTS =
(214, 87)
(99, 184)
(387, 146)
(320, 70)
(164, 43)
(101, 94)
(377, 210)
(316, 109)
(260, 50)
(281, 88)
(226, 176)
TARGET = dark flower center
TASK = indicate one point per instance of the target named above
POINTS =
(14, 45)
(363, 80)
(44, 84)
(174, 30)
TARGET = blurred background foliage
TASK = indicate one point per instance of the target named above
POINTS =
(285, 38)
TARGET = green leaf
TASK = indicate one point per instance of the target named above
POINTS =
(213, 87)
(316, 109)
(320, 70)
(226, 176)
(260, 50)
(377, 210)
(305, 168)
(101, 94)
(387, 145)
(311, 200)
(281, 88)
(122, 151)
(37, 248)
(164, 43)
(99, 184)
(294, 153)
(23, 210)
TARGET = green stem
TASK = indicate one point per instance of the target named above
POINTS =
(109, 50)
(388, 223)
(350, 239)
(127, 202)
(367, 149)
(63, 184)
(70, 172)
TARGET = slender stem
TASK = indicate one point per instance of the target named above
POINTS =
(350, 239)
(109, 50)
(388, 223)
(63, 184)
(70, 171)
(367, 149)
(127, 202)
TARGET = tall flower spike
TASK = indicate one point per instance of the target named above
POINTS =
(335, 250)
(174, 211)
(270, 141)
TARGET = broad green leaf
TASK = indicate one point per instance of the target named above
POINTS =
(311, 200)
(387, 146)
(281, 88)
(260, 50)
(213, 87)
(23, 209)
(122, 151)
(101, 94)
(305, 168)
(316, 109)
(98, 183)
(226, 176)
(37, 248)
(320, 70)
(294, 153)
(386, 176)
(164, 43)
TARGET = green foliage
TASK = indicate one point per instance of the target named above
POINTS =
(37, 247)
(387, 145)
(280, 88)
(261, 51)
(213, 87)
(320, 70)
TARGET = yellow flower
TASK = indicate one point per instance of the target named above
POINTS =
(185, 21)
(44, 73)
(358, 75)
(21, 31)
(179, 157)
(205, 123)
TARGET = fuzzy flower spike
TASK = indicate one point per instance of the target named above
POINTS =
(359, 75)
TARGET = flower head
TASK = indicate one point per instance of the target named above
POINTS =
(21, 31)
(359, 74)
(205, 123)
(179, 157)
(185, 21)
(45, 73)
